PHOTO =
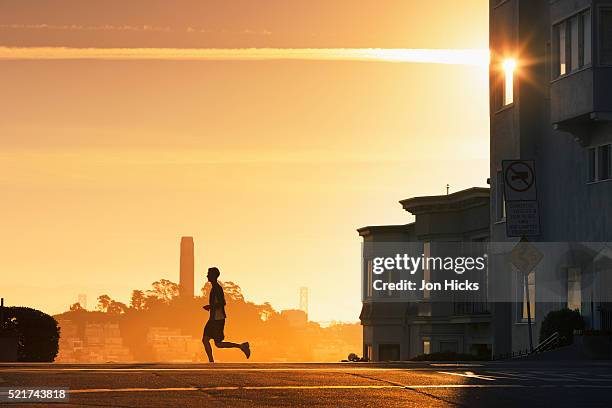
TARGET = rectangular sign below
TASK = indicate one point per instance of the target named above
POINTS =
(522, 219)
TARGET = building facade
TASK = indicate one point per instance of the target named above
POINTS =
(551, 102)
(396, 328)
(170, 345)
(91, 343)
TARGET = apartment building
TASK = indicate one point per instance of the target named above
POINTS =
(551, 102)
(398, 326)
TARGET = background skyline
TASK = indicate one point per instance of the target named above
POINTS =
(271, 165)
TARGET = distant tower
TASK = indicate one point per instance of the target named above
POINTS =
(304, 299)
(186, 265)
(82, 299)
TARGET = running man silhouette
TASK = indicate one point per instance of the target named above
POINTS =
(216, 321)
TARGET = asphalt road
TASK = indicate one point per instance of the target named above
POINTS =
(499, 384)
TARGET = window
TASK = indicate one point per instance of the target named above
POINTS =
(587, 47)
(532, 296)
(592, 163)
(426, 271)
(562, 31)
(392, 293)
(573, 48)
(599, 162)
(574, 44)
(603, 162)
(500, 200)
(605, 38)
(509, 65)
(369, 279)
(426, 345)
(574, 294)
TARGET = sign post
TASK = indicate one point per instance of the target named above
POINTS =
(522, 220)
(526, 279)
(522, 211)
(525, 257)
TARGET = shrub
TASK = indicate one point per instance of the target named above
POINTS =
(37, 331)
(564, 321)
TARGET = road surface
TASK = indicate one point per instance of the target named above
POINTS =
(496, 384)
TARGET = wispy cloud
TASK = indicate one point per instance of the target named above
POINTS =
(477, 57)
(132, 28)
(79, 27)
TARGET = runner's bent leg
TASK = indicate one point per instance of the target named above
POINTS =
(226, 344)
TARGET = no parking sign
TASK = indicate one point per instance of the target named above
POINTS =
(522, 211)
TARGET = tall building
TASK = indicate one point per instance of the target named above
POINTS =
(551, 102)
(304, 299)
(186, 268)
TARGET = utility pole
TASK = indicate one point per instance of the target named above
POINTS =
(447, 188)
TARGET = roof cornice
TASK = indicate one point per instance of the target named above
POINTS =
(461, 200)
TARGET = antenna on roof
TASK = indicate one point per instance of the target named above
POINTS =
(447, 188)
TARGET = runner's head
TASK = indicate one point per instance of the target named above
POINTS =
(213, 274)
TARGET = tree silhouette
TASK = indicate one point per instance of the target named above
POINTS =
(137, 302)
(115, 307)
(266, 311)
(75, 307)
(153, 302)
(164, 289)
(233, 292)
(103, 302)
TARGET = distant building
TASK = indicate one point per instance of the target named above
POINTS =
(92, 343)
(295, 318)
(171, 346)
(103, 343)
(186, 283)
(70, 343)
(304, 299)
(551, 102)
(399, 329)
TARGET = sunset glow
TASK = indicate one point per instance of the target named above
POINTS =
(268, 132)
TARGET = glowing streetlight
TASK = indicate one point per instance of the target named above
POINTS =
(509, 66)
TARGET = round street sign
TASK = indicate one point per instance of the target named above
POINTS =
(519, 176)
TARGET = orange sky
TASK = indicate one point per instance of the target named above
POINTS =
(270, 164)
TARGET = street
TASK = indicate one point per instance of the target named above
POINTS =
(499, 384)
